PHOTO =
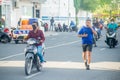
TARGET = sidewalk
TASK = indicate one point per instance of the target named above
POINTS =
(50, 33)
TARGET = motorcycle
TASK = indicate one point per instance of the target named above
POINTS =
(111, 38)
(60, 27)
(98, 33)
(65, 28)
(31, 56)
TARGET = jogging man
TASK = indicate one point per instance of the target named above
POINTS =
(86, 32)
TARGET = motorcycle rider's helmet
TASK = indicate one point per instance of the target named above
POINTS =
(112, 20)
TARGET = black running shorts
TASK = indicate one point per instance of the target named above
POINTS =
(87, 47)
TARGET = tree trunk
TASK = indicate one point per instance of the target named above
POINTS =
(76, 18)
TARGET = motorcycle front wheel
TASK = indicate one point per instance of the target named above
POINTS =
(111, 43)
(28, 66)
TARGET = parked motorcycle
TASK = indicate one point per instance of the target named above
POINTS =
(60, 27)
(111, 38)
(74, 28)
(65, 28)
(56, 29)
(31, 57)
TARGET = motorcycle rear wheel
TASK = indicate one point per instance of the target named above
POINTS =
(38, 65)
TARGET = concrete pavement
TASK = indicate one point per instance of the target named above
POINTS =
(50, 33)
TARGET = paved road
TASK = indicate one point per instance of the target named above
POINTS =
(64, 61)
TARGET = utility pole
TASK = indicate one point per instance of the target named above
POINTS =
(33, 8)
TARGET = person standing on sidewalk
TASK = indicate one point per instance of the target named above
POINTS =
(86, 32)
(52, 24)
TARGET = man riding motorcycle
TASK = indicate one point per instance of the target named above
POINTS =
(112, 26)
(38, 35)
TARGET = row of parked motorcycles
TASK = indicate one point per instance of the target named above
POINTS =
(65, 28)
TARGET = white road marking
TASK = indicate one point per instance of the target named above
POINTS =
(11, 56)
(62, 44)
(104, 65)
(69, 64)
(32, 75)
(18, 54)
(102, 49)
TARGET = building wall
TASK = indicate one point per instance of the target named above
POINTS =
(24, 9)
(6, 12)
(62, 10)
(82, 16)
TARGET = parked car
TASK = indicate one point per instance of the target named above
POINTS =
(4, 37)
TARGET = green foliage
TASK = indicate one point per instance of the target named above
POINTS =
(77, 8)
(77, 5)
(97, 6)
(108, 7)
(88, 5)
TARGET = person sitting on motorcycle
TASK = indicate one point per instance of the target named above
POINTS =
(94, 38)
(72, 25)
(38, 35)
(112, 25)
(97, 28)
(101, 24)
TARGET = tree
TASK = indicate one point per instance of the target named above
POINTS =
(77, 8)
(107, 7)
(88, 5)
(97, 6)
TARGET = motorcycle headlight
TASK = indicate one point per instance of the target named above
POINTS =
(25, 50)
(110, 33)
(35, 50)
